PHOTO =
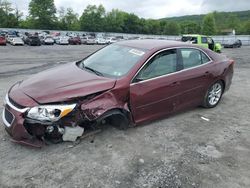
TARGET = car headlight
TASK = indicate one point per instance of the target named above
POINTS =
(50, 112)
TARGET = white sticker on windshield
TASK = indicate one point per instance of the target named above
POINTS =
(136, 52)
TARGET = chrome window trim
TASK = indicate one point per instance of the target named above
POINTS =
(7, 101)
(5, 121)
(172, 48)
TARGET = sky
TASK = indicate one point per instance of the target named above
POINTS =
(154, 9)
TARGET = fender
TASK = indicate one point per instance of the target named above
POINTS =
(103, 106)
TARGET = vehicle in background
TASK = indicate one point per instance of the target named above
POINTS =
(10, 37)
(55, 36)
(32, 40)
(47, 40)
(111, 40)
(75, 40)
(16, 41)
(62, 40)
(88, 40)
(83, 39)
(3, 40)
(202, 40)
(47, 32)
(101, 41)
(3, 33)
(233, 43)
(12, 32)
(134, 38)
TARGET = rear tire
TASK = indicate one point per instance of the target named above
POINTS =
(213, 95)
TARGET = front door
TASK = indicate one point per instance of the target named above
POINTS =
(154, 90)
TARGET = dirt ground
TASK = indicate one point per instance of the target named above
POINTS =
(183, 150)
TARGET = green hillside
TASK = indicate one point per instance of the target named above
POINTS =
(241, 15)
(224, 21)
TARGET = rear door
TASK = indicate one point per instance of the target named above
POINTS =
(195, 76)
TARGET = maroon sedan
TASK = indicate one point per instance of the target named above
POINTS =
(125, 83)
(75, 40)
(3, 40)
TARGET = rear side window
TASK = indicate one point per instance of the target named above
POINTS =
(193, 57)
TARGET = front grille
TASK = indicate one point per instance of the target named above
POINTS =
(9, 117)
(16, 104)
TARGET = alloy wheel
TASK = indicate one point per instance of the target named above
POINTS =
(214, 94)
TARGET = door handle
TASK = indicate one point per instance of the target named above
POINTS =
(175, 84)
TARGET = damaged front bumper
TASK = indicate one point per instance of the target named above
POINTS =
(14, 125)
(34, 132)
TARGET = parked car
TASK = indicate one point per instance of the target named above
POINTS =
(202, 40)
(83, 39)
(111, 40)
(126, 83)
(233, 43)
(3, 40)
(62, 40)
(47, 40)
(101, 41)
(16, 41)
(3, 33)
(10, 37)
(33, 40)
(90, 40)
(75, 40)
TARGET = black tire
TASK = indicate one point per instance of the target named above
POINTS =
(116, 118)
(213, 95)
(119, 121)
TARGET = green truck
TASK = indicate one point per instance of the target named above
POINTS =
(202, 40)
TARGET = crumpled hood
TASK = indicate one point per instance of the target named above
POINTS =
(61, 84)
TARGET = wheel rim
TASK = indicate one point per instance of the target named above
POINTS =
(214, 94)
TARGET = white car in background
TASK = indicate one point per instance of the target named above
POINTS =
(111, 40)
(47, 40)
(10, 37)
(16, 41)
(101, 41)
(64, 40)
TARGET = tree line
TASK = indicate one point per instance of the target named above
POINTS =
(44, 15)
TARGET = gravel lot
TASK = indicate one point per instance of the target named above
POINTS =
(183, 150)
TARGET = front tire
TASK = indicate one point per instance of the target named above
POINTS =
(119, 121)
(213, 95)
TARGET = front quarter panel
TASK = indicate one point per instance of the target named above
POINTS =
(109, 100)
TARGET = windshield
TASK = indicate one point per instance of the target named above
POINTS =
(113, 60)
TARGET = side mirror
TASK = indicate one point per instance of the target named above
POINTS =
(139, 78)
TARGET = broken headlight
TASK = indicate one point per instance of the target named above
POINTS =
(50, 112)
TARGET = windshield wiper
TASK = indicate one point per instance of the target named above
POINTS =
(94, 71)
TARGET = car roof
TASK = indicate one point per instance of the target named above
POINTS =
(150, 44)
(194, 35)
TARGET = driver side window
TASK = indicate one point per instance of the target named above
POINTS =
(161, 64)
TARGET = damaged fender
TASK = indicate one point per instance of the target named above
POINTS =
(104, 106)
